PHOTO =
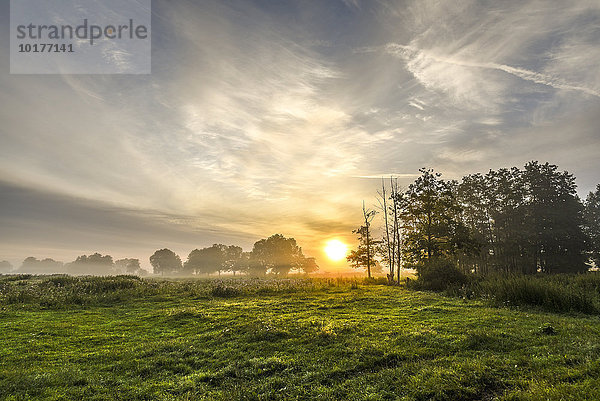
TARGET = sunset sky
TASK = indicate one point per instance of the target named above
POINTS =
(265, 117)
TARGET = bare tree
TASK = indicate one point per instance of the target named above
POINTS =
(396, 197)
(389, 245)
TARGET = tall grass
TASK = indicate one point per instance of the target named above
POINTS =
(63, 291)
(554, 293)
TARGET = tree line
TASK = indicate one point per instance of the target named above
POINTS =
(510, 220)
(94, 264)
(276, 255)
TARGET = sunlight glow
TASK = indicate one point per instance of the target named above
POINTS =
(336, 250)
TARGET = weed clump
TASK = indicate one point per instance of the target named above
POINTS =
(548, 330)
(223, 291)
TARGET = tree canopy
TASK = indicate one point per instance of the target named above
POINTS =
(276, 254)
(95, 264)
(518, 220)
(128, 266)
(213, 259)
(165, 261)
(33, 265)
(526, 220)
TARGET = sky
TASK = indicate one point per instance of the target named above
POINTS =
(271, 116)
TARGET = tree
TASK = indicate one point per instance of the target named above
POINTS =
(215, 258)
(592, 224)
(494, 209)
(276, 254)
(129, 266)
(253, 265)
(233, 254)
(165, 261)
(473, 195)
(309, 265)
(46, 266)
(431, 217)
(5, 266)
(555, 219)
(510, 220)
(387, 249)
(30, 265)
(364, 255)
(397, 197)
(242, 264)
(95, 264)
(359, 259)
(525, 220)
(203, 261)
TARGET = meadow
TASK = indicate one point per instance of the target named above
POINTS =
(126, 338)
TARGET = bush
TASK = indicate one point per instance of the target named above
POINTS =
(439, 275)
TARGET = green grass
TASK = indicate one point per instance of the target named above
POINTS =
(131, 339)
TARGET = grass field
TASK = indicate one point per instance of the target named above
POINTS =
(125, 338)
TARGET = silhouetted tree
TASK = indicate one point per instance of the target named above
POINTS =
(390, 247)
(364, 255)
(359, 259)
(555, 215)
(276, 254)
(494, 209)
(215, 258)
(509, 220)
(431, 220)
(254, 265)
(165, 261)
(525, 220)
(473, 194)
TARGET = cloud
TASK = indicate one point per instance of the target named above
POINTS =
(53, 225)
(418, 61)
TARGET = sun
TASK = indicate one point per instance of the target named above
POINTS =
(336, 250)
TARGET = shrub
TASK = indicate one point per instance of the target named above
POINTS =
(439, 274)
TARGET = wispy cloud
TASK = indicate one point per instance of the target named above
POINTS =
(410, 54)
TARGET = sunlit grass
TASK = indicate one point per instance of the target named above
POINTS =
(286, 339)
